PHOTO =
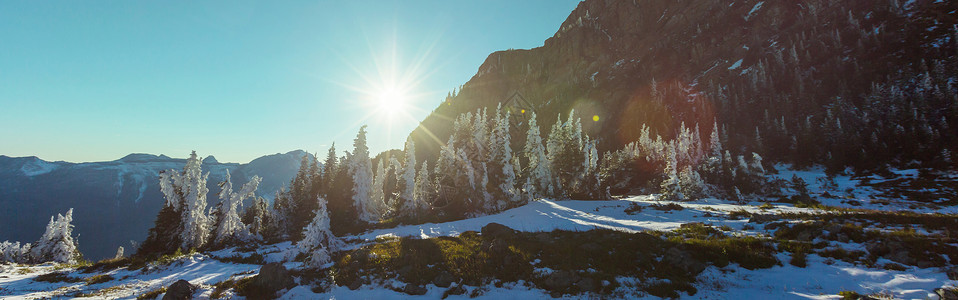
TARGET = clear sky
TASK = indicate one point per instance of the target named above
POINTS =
(96, 80)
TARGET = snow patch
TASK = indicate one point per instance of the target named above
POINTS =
(37, 167)
(736, 65)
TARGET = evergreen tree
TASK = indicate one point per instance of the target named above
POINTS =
(360, 167)
(318, 241)
(423, 191)
(539, 178)
(407, 196)
(192, 186)
(283, 210)
(183, 222)
(230, 229)
(302, 194)
(57, 243)
(257, 218)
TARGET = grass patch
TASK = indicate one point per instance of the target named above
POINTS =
(252, 259)
(221, 287)
(56, 277)
(99, 279)
(140, 262)
(106, 265)
(102, 292)
(151, 294)
(634, 208)
(669, 260)
(667, 207)
(739, 214)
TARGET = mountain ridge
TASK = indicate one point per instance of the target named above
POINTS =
(115, 202)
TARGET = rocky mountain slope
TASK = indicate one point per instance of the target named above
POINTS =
(787, 79)
(115, 202)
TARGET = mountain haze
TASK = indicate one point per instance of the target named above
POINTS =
(114, 202)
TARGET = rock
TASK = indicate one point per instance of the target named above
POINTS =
(444, 279)
(902, 257)
(497, 247)
(774, 226)
(586, 285)
(181, 289)
(272, 277)
(683, 260)
(456, 290)
(356, 284)
(560, 280)
(413, 289)
(762, 218)
(947, 294)
(496, 230)
(952, 273)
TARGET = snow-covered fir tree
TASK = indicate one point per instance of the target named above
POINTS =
(14, 252)
(539, 178)
(57, 243)
(186, 193)
(360, 166)
(318, 241)
(408, 181)
(230, 228)
(377, 204)
(501, 158)
(422, 191)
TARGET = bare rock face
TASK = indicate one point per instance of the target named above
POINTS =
(496, 230)
(273, 277)
(180, 290)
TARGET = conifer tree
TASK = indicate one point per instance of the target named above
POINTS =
(318, 241)
(257, 218)
(183, 222)
(230, 228)
(408, 181)
(360, 167)
(57, 243)
(539, 177)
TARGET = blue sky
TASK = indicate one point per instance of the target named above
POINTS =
(94, 81)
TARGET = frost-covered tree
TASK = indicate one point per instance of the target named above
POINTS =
(408, 181)
(119, 252)
(230, 228)
(318, 241)
(423, 191)
(378, 205)
(185, 193)
(257, 218)
(360, 166)
(500, 152)
(14, 252)
(57, 243)
(539, 178)
(671, 188)
(281, 223)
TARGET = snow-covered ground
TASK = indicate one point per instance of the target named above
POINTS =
(823, 277)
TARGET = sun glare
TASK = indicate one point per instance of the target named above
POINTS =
(391, 101)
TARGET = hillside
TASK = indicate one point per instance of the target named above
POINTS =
(785, 79)
(115, 201)
(864, 243)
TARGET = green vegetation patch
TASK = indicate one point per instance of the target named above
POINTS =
(562, 262)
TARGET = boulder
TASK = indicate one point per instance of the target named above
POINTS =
(560, 280)
(413, 289)
(272, 277)
(586, 285)
(444, 279)
(180, 290)
(355, 285)
(947, 293)
(496, 230)
(952, 273)
(683, 260)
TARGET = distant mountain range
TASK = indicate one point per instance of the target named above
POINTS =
(115, 202)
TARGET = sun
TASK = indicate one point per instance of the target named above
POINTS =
(391, 101)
